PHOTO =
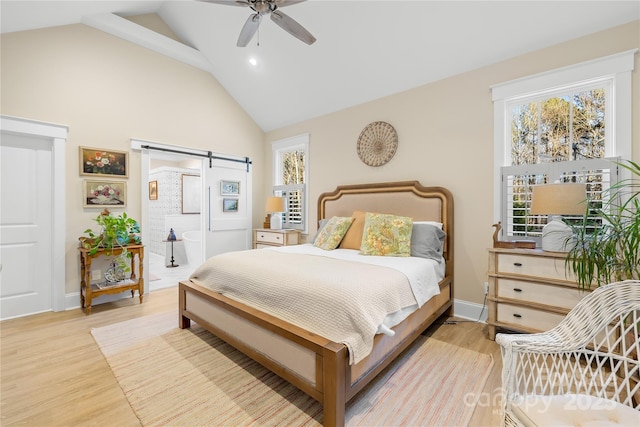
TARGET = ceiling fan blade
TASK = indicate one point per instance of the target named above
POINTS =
(283, 3)
(229, 2)
(249, 30)
(292, 27)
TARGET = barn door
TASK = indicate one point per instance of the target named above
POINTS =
(228, 207)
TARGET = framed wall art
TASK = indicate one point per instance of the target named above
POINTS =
(153, 190)
(100, 194)
(229, 188)
(99, 162)
(191, 194)
(229, 205)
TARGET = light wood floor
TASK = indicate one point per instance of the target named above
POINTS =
(53, 374)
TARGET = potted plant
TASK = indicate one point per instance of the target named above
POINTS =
(115, 232)
(607, 238)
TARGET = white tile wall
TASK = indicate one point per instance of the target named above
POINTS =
(167, 209)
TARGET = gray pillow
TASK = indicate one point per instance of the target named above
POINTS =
(323, 222)
(427, 241)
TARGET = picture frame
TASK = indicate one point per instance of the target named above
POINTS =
(191, 194)
(103, 162)
(230, 205)
(153, 190)
(101, 194)
(229, 188)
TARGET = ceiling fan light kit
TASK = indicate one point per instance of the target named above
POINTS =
(271, 8)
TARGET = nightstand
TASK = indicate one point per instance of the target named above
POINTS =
(530, 290)
(266, 237)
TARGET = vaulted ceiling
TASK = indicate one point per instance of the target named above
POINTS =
(365, 49)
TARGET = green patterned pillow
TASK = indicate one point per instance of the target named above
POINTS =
(332, 233)
(386, 235)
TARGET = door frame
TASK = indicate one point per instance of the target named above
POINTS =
(57, 136)
(136, 145)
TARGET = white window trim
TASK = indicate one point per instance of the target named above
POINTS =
(617, 67)
(289, 144)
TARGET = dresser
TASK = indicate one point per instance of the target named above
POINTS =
(267, 237)
(530, 290)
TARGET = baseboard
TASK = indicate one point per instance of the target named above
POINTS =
(463, 309)
(470, 310)
(72, 300)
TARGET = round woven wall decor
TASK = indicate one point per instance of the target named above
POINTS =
(377, 143)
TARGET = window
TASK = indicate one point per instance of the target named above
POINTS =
(559, 126)
(290, 179)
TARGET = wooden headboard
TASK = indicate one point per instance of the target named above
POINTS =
(407, 198)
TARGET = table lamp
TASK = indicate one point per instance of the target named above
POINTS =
(275, 206)
(555, 200)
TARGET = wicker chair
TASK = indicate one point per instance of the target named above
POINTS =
(585, 371)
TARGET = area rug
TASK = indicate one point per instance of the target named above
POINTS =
(191, 378)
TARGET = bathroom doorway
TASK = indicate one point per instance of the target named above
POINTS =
(175, 194)
(218, 228)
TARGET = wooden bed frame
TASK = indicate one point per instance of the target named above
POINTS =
(316, 365)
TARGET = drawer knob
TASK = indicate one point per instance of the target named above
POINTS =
(277, 237)
(517, 264)
(517, 290)
(517, 315)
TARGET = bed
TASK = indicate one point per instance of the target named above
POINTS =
(321, 367)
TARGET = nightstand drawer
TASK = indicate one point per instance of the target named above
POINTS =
(534, 266)
(269, 237)
(557, 296)
(528, 317)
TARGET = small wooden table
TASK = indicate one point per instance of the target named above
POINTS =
(89, 291)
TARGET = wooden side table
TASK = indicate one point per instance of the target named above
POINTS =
(89, 291)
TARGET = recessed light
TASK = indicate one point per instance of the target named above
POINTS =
(253, 62)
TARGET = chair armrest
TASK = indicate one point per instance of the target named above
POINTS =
(545, 342)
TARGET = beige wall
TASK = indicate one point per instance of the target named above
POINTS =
(445, 132)
(107, 91)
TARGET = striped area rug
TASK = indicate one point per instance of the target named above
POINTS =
(190, 378)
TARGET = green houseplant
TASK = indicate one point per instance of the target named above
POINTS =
(607, 238)
(117, 231)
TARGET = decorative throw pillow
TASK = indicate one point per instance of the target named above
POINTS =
(332, 233)
(353, 238)
(386, 235)
(321, 225)
(427, 240)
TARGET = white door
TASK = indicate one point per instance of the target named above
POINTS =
(26, 200)
(227, 206)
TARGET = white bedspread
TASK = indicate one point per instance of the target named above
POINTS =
(338, 294)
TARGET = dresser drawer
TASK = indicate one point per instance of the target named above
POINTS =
(269, 237)
(534, 266)
(556, 296)
(529, 318)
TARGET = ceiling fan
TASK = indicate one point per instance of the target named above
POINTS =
(271, 8)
